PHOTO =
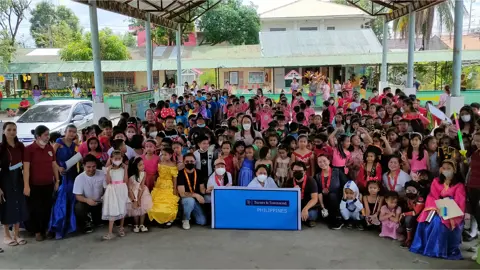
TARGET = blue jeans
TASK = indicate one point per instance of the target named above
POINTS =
(191, 206)
(312, 214)
(314, 98)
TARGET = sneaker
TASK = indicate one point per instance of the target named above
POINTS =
(336, 226)
(360, 227)
(136, 229)
(143, 228)
(88, 230)
(311, 223)
(186, 224)
(349, 226)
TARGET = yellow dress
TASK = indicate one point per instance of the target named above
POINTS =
(165, 203)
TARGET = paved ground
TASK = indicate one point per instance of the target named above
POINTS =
(227, 249)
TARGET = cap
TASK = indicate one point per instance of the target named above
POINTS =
(219, 161)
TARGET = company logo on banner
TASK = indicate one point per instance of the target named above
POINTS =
(256, 209)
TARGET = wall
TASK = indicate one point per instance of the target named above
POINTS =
(59, 82)
(321, 24)
(140, 80)
(243, 77)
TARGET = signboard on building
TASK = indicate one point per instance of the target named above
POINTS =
(137, 103)
(293, 74)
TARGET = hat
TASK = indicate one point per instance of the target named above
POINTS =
(374, 149)
(199, 116)
(219, 161)
(132, 126)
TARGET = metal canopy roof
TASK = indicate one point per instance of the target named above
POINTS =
(166, 13)
(394, 9)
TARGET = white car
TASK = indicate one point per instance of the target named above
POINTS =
(56, 115)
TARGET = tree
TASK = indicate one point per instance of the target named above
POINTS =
(129, 40)
(53, 26)
(164, 36)
(231, 22)
(425, 19)
(111, 48)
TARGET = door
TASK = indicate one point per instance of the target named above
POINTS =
(79, 110)
(89, 113)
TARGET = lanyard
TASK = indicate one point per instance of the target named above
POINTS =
(302, 190)
(194, 180)
(218, 179)
(390, 186)
(329, 180)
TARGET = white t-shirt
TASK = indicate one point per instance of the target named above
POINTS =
(403, 178)
(90, 187)
(212, 183)
(77, 92)
(130, 152)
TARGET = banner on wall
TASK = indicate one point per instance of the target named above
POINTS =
(256, 209)
(137, 103)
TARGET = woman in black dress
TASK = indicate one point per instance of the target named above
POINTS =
(13, 204)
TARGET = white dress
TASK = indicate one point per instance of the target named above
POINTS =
(145, 200)
(116, 196)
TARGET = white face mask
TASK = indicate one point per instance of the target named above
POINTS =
(117, 162)
(375, 94)
(447, 174)
(381, 114)
(220, 171)
(262, 177)
(348, 121)
(130, 134)
(466, 118)
(153, 134)
(247, 126)
(142, 130)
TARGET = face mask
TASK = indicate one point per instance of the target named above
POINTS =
(220, 171)
(42, 143)
(362, 122)
(130, 135)
(348, 121)
(142, 130)
(447, 174)
(201, 125)
(246, 126)
(189, 166)
(261, 178)
(153, 134)
(375, 94)
(381, 114)
(298, 175)
(214, 98)
(318, 146)
(411, 196)
(117, 162)
(466, 118)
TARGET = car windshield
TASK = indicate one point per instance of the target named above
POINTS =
(46, 114)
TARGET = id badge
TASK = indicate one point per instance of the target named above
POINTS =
(16, 166)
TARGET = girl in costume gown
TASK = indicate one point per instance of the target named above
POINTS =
(441, 238)
(62, 220)
(245, 175)
(164, 194)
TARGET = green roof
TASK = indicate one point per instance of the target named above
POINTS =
(247, 62)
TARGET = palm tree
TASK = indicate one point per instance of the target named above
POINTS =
(424, 21)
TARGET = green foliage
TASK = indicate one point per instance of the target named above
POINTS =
(53, 26)
(208, 76)
(6, 50)
(165, 36)
(231, 22)
(129, 40)
(111, 48)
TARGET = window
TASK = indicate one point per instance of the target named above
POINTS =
(119, 81)
(308, 28)
(88, 108)
(277, 29)
(233, 77)
(79, 110)
(330, 27)
(256, 77)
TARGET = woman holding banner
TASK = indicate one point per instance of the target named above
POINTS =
(262, 180)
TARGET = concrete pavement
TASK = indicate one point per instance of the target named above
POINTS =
(228, 249)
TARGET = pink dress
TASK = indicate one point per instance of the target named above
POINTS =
(151, 169)
(389, 228)
(265, 119)
(145, 200)
(417, 165)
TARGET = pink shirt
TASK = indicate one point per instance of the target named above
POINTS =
(337, 160)
(151, 165)
(308, 111)
(417, 165)
(83, 149)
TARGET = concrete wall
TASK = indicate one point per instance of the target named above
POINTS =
(140, 80)
(243, 78)
(321, 24)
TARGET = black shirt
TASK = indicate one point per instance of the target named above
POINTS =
(335, 184)
(204, 166)
(310, 187)
(182, 181)
(169, 133)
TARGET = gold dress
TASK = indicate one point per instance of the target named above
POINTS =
(165, 203)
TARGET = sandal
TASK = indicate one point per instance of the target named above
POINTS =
(107, 236)
(121, 232)
(1, 250)
(10, 243)
(21, 241)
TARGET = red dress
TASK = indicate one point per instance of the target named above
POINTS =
(374, 175)
(229, 164)
(305, 159)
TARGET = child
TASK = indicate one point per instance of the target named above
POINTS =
(272, 140)
(116, 194)
(431, 144)
(373, 202)
(415, 205)
(418, 158)
(280, 166)
(304, 155)
(164, 194)
(265, 159)
(390, 215)
(150, 161)
(371, 170)
(227, 156)
(94, 148)
(141, 200)
(350, 206)
(245, 175)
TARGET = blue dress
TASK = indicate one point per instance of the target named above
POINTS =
(62, 220)
(246, 173)
(434, 239)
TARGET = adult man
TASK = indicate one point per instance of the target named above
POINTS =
(198, 130)
(88, 190)
(308, 190)
(169, 131)
(191, 189)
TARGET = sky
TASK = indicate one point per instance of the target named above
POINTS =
(119, 23)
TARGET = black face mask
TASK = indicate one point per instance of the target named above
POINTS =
(190, 166)
(411, 196)
(298, 175)
(318, 146)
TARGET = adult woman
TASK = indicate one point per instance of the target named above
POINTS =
(295, 85)
(36, 94)
(13, 206)
(467, 120)
(262, 180)
(247, 133)
(443, 97)
(329, 192)
(63, 219)
(40, 178)
(438, 237)
(395, 178)
(150, 118)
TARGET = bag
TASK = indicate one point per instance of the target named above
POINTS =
(373, 219)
